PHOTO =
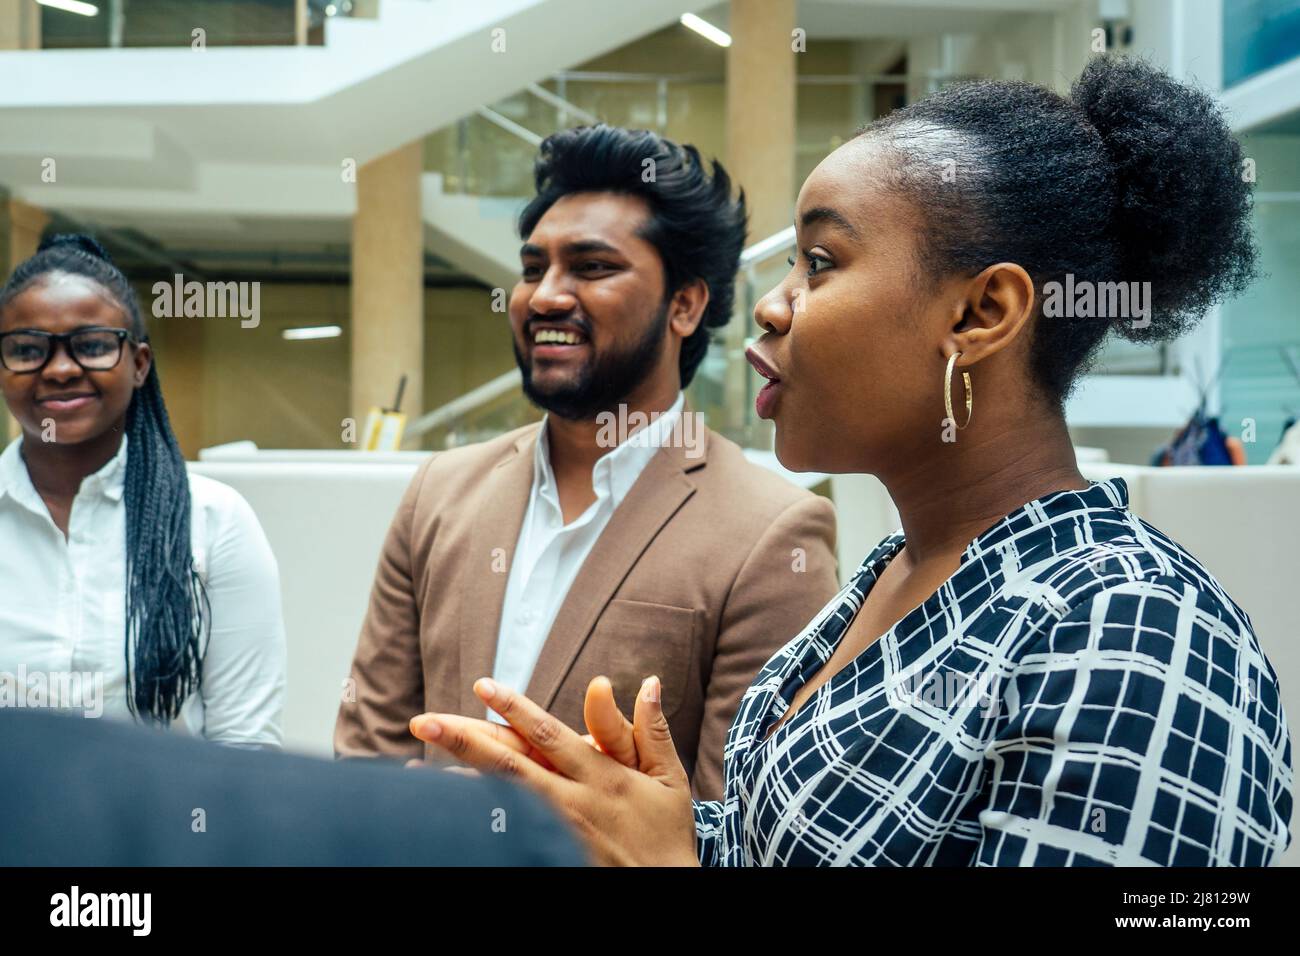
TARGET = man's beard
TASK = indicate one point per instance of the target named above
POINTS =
(606, 381)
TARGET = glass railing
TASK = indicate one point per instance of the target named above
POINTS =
(1261, 336)
(1259, 396)
(491, 152)
(172, 23)
(725, 385)
(496, 407)
(1258, 35)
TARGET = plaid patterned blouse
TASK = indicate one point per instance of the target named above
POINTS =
(1080, 692)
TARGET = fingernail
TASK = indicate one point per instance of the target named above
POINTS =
(650, 689)
(432, 729)
(487, 688)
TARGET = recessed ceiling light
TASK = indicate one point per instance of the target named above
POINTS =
(72, 6)
(313, 332)
(706, 29)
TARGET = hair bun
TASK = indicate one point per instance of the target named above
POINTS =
(1182, 205)
(77, 240)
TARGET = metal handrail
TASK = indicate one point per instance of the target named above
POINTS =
(766, 248)
(523, 132)
(509, 125)
(561, 104)
(464, 404)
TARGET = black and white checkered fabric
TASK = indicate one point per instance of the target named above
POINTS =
(1080, 692)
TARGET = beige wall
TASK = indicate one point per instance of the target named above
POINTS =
(21, 226)
(20, 25)
(178, 358)
(465, 343)
(226, 383)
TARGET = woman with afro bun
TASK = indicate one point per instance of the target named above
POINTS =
(1026, 673)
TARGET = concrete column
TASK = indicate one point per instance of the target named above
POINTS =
(760, 110)
(21, 226)
(388, 283)
(20, 25)
(760, 149)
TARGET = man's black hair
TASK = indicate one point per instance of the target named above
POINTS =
(695, 225)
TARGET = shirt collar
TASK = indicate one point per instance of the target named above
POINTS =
(617, 470)
(16, 482)
(110, 481)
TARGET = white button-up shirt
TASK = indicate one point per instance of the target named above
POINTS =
(63, 605)
(549, 553)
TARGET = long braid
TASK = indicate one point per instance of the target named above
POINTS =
(167, 611)
(166, 606)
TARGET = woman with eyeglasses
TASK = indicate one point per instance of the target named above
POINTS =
(1027, 674)
(128, 587)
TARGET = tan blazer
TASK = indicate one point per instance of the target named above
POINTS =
(708, 566)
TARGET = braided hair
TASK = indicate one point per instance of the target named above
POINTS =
(167, 611)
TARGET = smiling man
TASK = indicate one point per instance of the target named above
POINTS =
(555, 554)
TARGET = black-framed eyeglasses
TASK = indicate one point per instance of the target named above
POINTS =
(95, 349)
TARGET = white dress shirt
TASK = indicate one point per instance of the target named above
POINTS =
(549, 553)
(63, 605)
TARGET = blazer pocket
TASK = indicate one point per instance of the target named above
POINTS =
(634, 639)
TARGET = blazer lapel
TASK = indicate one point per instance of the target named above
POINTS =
(655, 497)
(503, 500)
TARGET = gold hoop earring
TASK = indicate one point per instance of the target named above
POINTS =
(947, 391)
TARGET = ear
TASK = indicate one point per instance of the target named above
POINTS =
(142, 357)
(995, 306)
(687, 307)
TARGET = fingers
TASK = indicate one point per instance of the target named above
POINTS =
(609, 728)
(654, 741)
(506, 736)
(498, 732)
(559, 744)
(471, 744)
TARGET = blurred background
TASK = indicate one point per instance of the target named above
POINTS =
(362, 163)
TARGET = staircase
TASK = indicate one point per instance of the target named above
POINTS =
(145, 129)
